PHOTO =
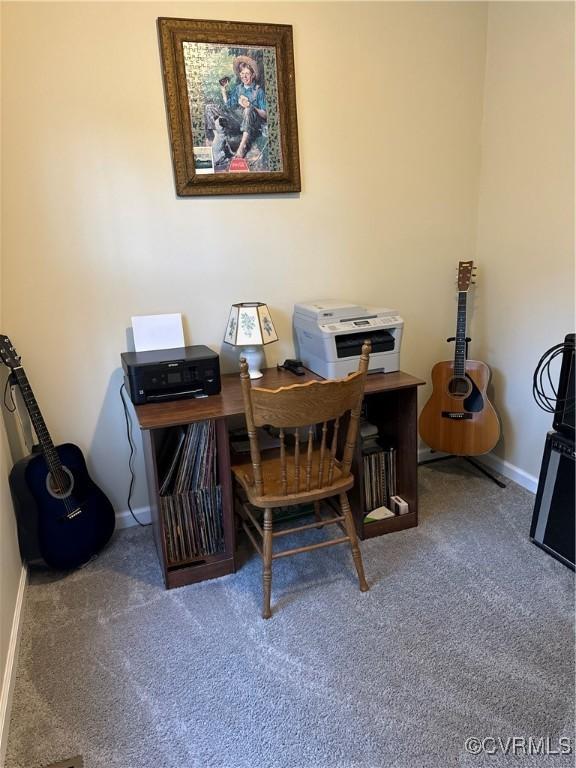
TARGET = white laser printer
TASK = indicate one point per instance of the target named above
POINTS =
(329, 336)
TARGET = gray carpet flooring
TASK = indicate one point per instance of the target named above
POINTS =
(467, 631)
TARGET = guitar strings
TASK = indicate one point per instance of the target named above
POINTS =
(57, 477)
(61, 481)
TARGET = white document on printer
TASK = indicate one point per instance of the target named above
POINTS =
(157, 332)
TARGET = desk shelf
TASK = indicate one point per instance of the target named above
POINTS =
(394, 411)
(390, 404)
(196, 568)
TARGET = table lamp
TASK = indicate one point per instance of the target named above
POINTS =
(250, 326)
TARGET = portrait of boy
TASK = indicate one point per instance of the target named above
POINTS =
(231, 109)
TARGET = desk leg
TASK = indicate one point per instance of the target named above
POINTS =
(152, 482)
(225, 479)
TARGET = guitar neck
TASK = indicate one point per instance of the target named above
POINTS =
(460, 347)
(46, 444)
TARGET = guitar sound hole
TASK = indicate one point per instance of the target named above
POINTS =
(60, 486)
(459, 386)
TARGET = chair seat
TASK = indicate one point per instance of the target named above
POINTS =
(272, 478)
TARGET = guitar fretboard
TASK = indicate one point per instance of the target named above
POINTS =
(48, 449)
(460, 347)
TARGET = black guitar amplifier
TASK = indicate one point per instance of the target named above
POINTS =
(553, 526)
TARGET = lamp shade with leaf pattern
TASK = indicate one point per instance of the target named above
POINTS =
(250, 326)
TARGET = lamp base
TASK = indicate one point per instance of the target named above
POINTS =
(254, 356)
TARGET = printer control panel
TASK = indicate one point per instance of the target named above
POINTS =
(361, 323)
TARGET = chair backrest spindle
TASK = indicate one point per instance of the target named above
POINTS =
(296, 460)
(309, 457)
(250, 426)
(333, 449)
(322, 454)
(283, 465)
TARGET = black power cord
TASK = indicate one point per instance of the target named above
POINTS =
(543, 388)
(9, 381)
(132, 454)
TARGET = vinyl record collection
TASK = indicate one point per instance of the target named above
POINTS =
(379, 465)
(190, 499)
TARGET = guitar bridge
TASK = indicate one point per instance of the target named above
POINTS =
(74, 513)
(456, 415)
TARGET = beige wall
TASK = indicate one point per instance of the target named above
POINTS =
(10, 569)
(525, 301)
(389, 104)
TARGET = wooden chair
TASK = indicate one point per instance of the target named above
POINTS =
(313, 473)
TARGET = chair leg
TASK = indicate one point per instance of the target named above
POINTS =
(317, 515)
(351, 531)
(267, 563)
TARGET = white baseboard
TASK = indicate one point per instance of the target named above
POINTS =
(11, 663)
(511, 471)
(124, 519)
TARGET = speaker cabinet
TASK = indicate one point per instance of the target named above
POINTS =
(553, 520)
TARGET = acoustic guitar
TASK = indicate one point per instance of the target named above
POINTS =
(62, 515)
(458, 418)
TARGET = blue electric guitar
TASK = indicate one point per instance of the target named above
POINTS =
(63, 517)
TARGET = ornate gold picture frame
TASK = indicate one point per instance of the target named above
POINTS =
(231, 104)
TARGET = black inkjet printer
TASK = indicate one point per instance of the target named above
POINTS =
(171, 374)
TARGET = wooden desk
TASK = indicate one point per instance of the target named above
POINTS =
(390, 403)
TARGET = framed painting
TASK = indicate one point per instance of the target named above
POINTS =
(231, 104)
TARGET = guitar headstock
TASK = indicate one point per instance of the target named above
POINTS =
(466, 271)
(8, 353)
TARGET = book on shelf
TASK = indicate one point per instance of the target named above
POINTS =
(379, 469)
(169, 456)
(380, 513)
(367, 430)
(190, 496)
